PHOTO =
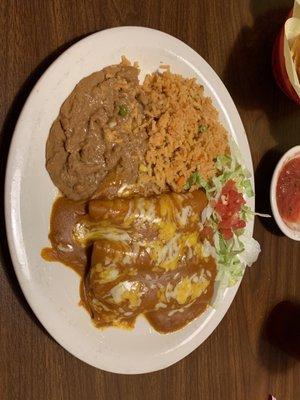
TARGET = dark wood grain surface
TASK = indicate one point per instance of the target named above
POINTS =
(236, 361)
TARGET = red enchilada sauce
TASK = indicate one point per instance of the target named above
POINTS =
(288, 192)
(136, 256)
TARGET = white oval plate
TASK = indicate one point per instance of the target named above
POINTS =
(52, 289)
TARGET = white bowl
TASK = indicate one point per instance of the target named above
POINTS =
(291, 233)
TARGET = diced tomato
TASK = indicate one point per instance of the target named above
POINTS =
(230, 200)
(233, 222)
(225, 223)
(239, 224)
(228, 207)
(226, 233)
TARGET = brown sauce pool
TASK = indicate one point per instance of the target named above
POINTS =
(136, 256)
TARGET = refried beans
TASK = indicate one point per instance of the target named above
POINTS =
(99, 134)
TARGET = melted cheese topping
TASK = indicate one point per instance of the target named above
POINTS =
(166, 248)
(106, 273)
(158, 236)
(186, 290)
(127, 290)
(182, 217)
(89, 231)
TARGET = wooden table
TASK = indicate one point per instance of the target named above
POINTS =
(236, 362)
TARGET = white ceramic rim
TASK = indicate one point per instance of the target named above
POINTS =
(12, 217)
(290, 154)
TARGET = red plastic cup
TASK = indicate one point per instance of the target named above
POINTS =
(279, 69)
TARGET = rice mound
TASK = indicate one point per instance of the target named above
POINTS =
(184, 133)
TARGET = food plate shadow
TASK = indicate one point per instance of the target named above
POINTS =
(263, 176)
(248, 74)
(7, 130)
(272, 357)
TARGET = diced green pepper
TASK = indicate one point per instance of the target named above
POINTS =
(202, 128)
(123, 110)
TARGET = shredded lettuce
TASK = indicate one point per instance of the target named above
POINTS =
(228, 169)
(248, 188)
(196, 179)
(247, 214)
(251, 250)
(230, 269)
(233, 255)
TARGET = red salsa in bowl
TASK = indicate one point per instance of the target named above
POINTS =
(285, 193)
(288, 193)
